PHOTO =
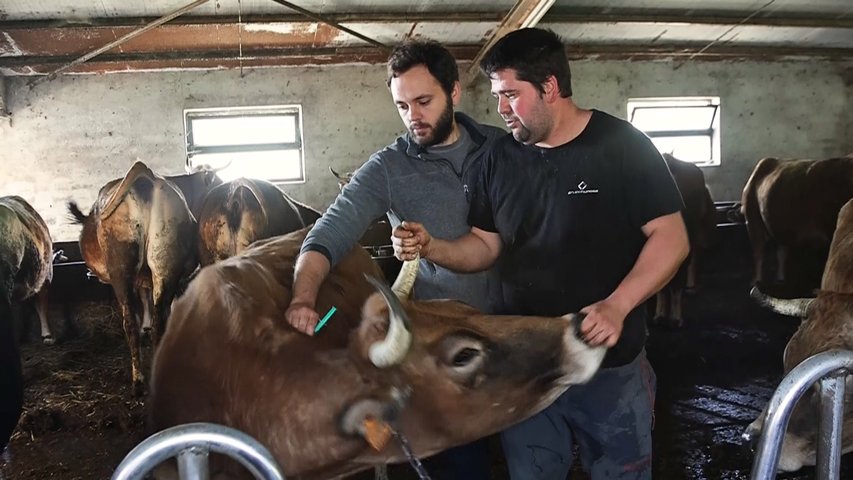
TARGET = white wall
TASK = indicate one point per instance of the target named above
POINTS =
(69, 136)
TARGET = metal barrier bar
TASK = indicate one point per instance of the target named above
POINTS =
(829, 431)
(192, 442)
(792, 387)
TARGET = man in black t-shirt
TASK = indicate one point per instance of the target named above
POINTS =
(583, 209)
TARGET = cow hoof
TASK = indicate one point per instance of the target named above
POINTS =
(48, 340)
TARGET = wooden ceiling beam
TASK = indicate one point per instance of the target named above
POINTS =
(525, 13)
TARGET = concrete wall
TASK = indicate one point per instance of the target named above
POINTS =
(69, 136)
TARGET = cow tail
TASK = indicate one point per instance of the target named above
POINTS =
(236, 203)
(749, 200)
(77, 215)
(137, 171)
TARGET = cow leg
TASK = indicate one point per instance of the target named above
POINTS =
(781, 262)
(675, 313)
(131, 334)
(758, 239)
(41, 310)
(162, 295)
(661, 303)
(692, 267)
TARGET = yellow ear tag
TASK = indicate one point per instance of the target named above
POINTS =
(376, 433)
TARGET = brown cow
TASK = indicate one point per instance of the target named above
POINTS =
(827, 324)
(139, 237)
(700, 220)
(26, 267)
(439, 372)
(795, 203)
(195, 184)
(239, 212)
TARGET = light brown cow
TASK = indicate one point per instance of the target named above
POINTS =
(439, 372)
(140, 237)
(700, 219)
(827, 324)
(239, 212)
(795, 203)
(26, 267)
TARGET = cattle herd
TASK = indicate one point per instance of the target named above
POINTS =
(205, 268)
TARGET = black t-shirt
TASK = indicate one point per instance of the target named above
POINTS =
(570, 218)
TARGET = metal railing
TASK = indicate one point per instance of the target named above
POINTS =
(830, 368)
(192, 443)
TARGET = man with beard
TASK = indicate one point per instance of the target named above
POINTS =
(424, 174)
(586, 217)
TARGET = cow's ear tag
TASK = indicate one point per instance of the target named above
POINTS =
(376, 432)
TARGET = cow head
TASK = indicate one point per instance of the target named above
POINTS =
(826, 321)
(458, 374)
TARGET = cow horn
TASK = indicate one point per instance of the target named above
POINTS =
(405, 280)
(336, 174)
(794, 307)
(391, 350)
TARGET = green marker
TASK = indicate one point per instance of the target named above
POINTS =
(324, 319)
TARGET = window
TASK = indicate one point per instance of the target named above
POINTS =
(686, 127)
(253, 142)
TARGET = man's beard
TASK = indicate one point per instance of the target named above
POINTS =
(440, 131)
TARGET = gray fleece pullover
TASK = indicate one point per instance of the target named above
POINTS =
(401, 181)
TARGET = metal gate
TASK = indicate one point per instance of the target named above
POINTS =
(830, 369)
(191, 443)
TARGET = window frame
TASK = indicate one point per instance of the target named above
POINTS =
(295, 110)
(712, 133)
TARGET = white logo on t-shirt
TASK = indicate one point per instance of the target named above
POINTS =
(583, 188)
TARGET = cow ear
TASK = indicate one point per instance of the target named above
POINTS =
(371, 419)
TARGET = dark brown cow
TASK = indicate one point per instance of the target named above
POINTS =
(26, 267)
(827, 324)
(195, 185)
(239, 212)
(439, 372)
(139, 237)
(795, 203)
(700, 220)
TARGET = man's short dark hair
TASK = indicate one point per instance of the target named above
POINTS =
(428, 53)
(535, 54)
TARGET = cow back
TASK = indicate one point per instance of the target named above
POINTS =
(699, 211)
(26, 248)
(195, 186)
(240, 212)
(799, 199)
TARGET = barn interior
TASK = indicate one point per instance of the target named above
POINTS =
(90, 87)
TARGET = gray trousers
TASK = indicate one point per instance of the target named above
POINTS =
(610, 418)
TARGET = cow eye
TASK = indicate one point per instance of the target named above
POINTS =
(465, 356)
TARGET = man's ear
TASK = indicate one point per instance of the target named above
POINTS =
(456, 93)
(551, 88)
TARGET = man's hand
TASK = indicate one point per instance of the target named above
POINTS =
(302, 317)
(410, 239)
(603, 323)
